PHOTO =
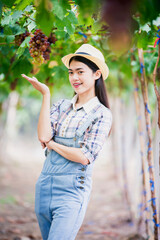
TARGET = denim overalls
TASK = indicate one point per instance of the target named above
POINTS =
(63, 189)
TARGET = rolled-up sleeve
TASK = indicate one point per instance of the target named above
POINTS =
(54, 115)
(96, 136)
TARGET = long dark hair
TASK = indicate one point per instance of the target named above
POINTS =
(100, 88)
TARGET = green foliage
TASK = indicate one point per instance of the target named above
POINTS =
(73, 25)
(44, 17)
(148, 10)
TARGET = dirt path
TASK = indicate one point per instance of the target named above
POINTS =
(107, 217)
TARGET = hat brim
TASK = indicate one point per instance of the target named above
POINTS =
(102, 65)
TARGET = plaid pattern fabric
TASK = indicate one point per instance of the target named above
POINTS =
(73, 118)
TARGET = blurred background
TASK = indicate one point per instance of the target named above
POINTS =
(125, 202)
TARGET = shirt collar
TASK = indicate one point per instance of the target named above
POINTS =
(88, 106)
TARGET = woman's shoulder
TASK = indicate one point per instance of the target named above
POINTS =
(104, 111)
(62, 104)
(61, 101)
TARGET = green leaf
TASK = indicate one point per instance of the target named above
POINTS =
(8, 3)
(31, 26)
(25, 43)
(20, 51)
(59, 23)
(29, 8)
(72, 18)
(23, 46)
(16, 15)
(7, 30)
(30, 22)
(6, 20)
(60, 34)
(21, 65)
(16, 29)
(69, 26)
(143, 39)
(145, 28)
(10, 38)
(1, 5)
(57, 9)
(87, 21)
(72, 37)
(157, 21)
(96, 26)
(44, 18)
(24, 5)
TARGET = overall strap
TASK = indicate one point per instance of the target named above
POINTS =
(91, 117)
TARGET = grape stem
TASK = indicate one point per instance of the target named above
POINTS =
(28, 17)
(4, 43)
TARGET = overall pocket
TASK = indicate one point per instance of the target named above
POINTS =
(57, 159)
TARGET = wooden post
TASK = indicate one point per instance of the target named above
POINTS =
(149, 151)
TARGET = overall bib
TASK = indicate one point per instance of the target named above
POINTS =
(63, 190)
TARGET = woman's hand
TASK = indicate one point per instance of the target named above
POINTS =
(41, 87)
(43, 144)
(49, 144)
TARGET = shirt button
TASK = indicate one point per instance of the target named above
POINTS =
(82, 169)
(81, 187)
(81, 177)
(81, 182)
(74, 138)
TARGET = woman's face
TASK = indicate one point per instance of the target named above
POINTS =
(81, 77)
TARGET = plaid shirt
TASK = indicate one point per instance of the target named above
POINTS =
(73, 118)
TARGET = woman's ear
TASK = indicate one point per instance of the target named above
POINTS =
(97, 74)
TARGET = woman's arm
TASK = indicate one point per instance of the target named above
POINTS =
(70, 153)
(44, 125)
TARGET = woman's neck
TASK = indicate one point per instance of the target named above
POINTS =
(81, 99)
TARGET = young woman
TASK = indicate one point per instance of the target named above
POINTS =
(74, 132)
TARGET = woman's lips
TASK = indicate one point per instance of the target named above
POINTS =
(76, 85)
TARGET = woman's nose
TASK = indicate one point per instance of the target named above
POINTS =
(75, 76)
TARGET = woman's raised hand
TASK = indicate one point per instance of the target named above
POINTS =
(41, 87)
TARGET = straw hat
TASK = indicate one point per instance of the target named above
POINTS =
(91, 53)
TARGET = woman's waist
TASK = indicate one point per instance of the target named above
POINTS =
(55, 163)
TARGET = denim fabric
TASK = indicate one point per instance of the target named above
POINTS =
(63, 191)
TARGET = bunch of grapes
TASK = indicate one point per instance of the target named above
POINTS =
(46, 53)
(21, 37)
(39, 46)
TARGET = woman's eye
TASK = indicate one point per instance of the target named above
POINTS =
(69, 73)
(80, 72)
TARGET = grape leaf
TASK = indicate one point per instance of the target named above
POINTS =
(31, 26)
(21, 65)
(6, 20)
(8, 3)
(24, 5)
(72, 18)
(44, 18)
(57, 9)
(10, 38)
